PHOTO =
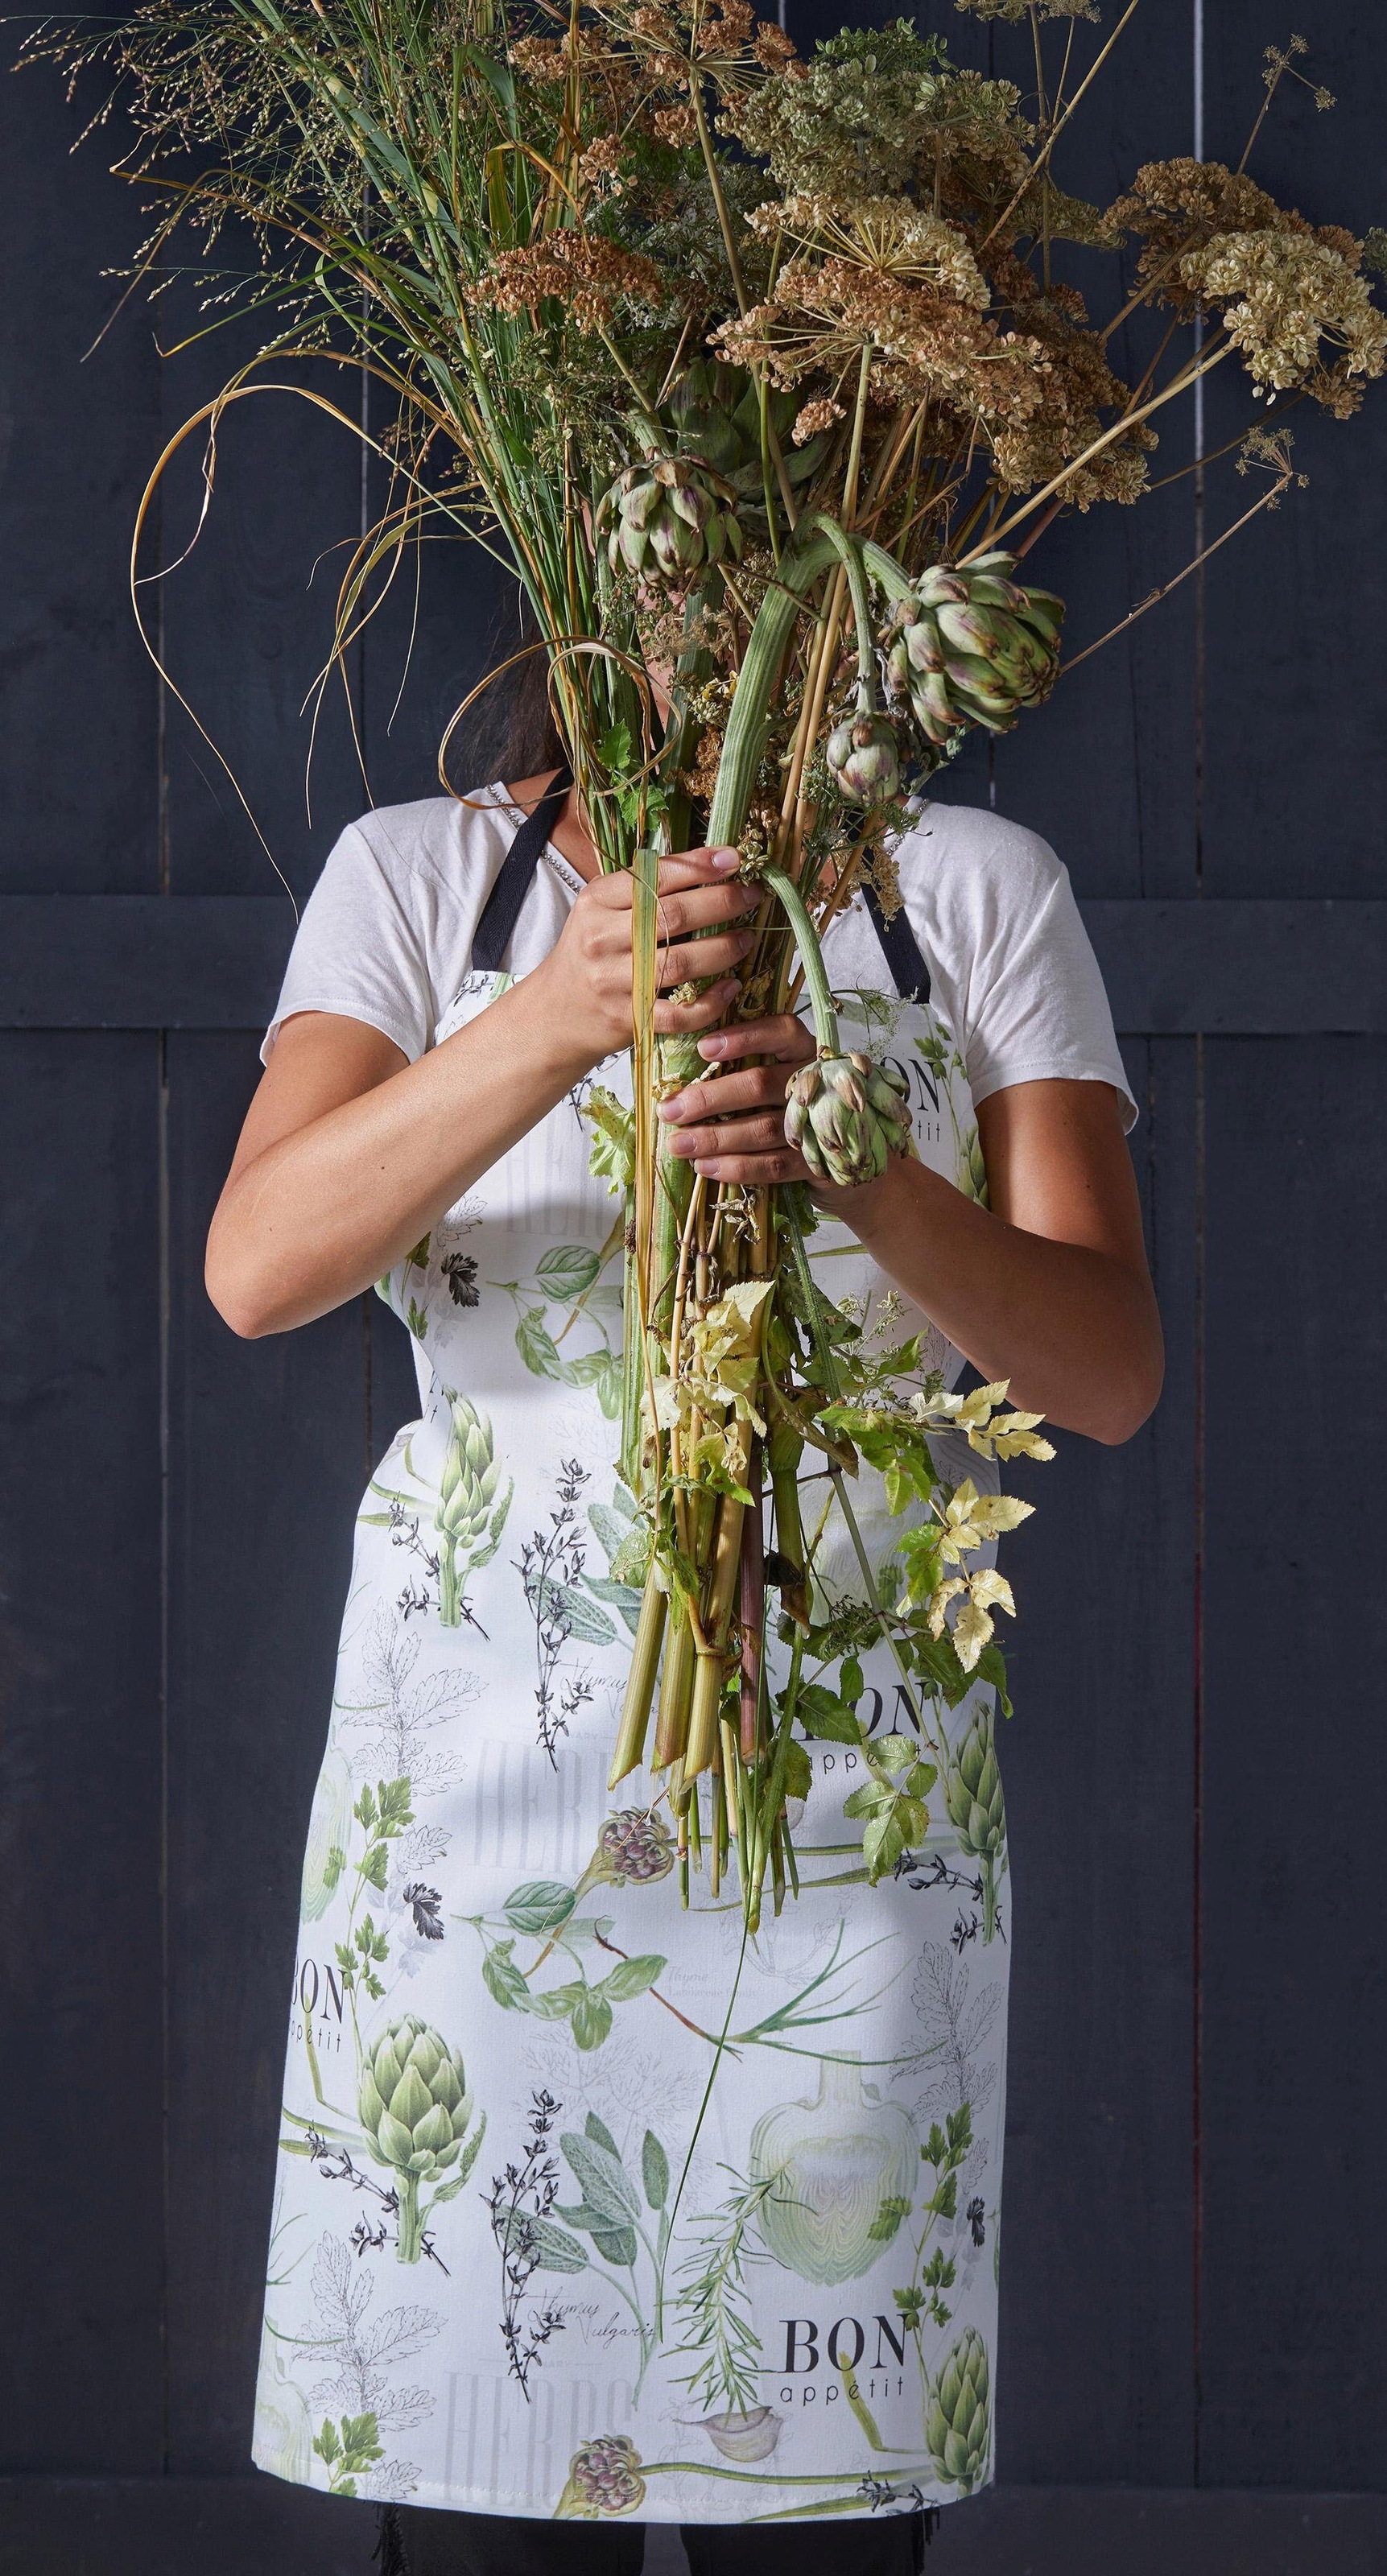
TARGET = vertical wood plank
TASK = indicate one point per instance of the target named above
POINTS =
(1295, 2083)
(266, 1445)
(80, 1797)
(1296, 776)
(1096, 2378)
(78, 786)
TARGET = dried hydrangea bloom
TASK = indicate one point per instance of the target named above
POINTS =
(1284, 294)
(881, 110)
(587, 274)
(885, 236)
(814, 417)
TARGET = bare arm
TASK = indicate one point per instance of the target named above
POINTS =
(349, 1154)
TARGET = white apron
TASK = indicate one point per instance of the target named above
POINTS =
(526, 2259)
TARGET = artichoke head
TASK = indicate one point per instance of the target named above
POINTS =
(669, 519)
(973, 1791)
(467, 1486)
(414, 2104)
(717, 415)
(970, 646)
(957, 2422)
(863, 761)
(847, 1114)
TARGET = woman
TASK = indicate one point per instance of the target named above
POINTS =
(729, 2251)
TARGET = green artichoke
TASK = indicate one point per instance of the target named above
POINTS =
(971, 647)
(977, 1809)
(467, 1490)
(415, 2109)
(957, 2423)
(846, 1114)
(717, 414)
(668, 520)
(862, 758)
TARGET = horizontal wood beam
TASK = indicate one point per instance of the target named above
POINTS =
(1244, 969)
(224, 2525)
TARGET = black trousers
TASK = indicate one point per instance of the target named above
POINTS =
(418, 2541)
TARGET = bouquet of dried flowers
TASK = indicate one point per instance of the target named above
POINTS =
(763, 375)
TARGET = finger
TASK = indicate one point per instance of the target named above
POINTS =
(703, 908)
(755, 1171)
(685, 1019)
(761, 1086)
(674, 876)
(695, 958)
(764, 1134)
(782, 1036)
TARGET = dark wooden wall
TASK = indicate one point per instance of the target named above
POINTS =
(1195, 2287)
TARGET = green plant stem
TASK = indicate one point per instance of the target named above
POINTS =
(811, 958)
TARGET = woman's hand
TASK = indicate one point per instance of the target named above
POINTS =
(586, 978)
(731, 1127)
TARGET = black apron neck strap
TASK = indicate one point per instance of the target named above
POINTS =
(501, 911)
(900, 947)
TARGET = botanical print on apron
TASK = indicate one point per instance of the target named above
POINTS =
(588, 2204)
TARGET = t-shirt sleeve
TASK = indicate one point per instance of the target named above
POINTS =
(1030, 999)
(360, 950)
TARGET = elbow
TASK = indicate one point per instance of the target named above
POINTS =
(1130, 1399)
(242, 1299)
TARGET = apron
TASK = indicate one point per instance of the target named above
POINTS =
(587, 2205)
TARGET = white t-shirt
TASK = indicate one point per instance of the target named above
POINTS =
(386, 935)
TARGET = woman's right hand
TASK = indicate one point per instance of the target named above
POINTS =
(587, 975)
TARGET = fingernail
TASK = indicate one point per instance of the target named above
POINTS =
(726, 860)
(714, 1045)
(671, 1108)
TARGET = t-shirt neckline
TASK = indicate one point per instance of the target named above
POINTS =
(563, 870)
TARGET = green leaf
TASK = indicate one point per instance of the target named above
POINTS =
(890, 2213)
(614, 749)
(536, 1344)
(540, 1906)
(602, 2179)
(654, 2170)
(326, 2443)
(375, 1867)
(799, 1771)
(395, 1809)
(616, 2244)
(599, 1369)
(631, 1977)
(582, 1616)
(592, 2018)
(567, 1271)
(991, 1667)
(851, 1684)
(503, 1979)
(558, 2001)
(553, 2248)
(821, 1714)
(601, 2135)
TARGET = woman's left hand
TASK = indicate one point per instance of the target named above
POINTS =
(732, 1127)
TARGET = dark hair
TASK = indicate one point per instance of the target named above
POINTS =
(510, 732)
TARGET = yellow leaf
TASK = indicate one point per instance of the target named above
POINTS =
(991, 1591)
(940, 1601)
(972, 1631)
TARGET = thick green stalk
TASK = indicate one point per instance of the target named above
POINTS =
(850, 554)
(745, 739)
(811, 958)
(640, 1682)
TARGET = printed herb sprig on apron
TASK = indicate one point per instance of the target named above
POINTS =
(764, 374)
